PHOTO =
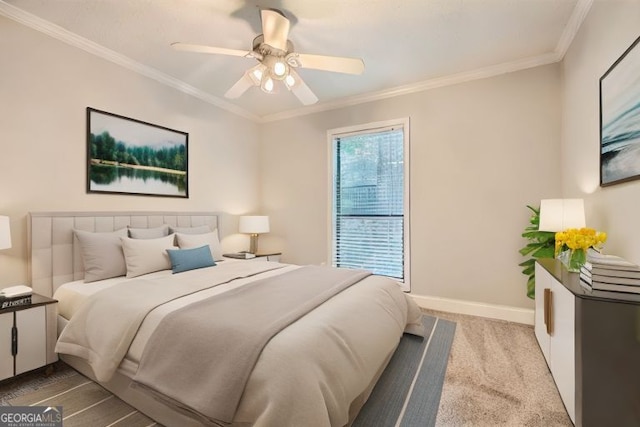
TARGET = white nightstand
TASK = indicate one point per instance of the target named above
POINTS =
(27, 336)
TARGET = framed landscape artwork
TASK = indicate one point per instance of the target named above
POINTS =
(620, 119)
(128, 156)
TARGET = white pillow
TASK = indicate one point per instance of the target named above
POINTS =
(102, 254)
(144, 256)
(149, 233)
(186, 241)
(201, 229)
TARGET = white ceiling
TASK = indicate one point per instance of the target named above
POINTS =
(406, 45)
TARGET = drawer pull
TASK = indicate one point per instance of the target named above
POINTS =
(548, 305)
(14, 341)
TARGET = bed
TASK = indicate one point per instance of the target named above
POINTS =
(156, 339)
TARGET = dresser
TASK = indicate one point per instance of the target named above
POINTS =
(591, 343)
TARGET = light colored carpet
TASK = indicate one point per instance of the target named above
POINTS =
(497, 376)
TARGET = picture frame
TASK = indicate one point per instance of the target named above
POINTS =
(620, 119)
(129, 156)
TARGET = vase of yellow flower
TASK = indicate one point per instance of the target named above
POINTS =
(572, 245)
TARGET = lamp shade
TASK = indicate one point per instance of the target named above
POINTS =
(254, 224)
(560, 214)
(5, 232)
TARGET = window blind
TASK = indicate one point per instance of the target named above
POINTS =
(368, 205)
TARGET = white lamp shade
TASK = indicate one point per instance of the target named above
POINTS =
(560, 214)
(5, 232)
(254, 224)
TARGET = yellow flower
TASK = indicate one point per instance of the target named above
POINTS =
(583, 238)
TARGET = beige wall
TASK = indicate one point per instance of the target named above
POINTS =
(608, 30)
(45, 87)
(480, 152)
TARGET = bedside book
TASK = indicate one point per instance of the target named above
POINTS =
(15, 301)
(240, 255)
(611, 278)
(15, 291)
(597, 286)
(608, 262)
(613, 287)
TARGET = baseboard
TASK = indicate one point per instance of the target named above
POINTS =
(492, 311)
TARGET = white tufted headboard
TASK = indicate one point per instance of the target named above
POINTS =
(54, 255)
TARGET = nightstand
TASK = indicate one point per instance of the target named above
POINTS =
(272, 256)
(27, 336)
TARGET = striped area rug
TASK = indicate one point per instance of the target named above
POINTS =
(84, 403)
(407, 394)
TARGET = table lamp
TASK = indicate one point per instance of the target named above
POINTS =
(560, 214)
(254, 225)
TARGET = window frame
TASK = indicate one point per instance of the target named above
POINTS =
(372, 127)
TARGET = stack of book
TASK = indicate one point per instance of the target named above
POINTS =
(240, 255)
(14, 296)
(14, 301)
(610, 273)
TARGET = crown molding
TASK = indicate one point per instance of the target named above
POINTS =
(452, 79)
(580, 12)
(75, 40)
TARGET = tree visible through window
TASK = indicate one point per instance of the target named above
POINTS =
(368, 209)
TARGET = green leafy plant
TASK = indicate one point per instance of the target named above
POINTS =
(541, 245)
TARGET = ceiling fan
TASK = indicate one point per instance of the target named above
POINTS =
(277, 60)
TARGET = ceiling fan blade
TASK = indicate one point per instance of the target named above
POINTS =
(240, 87)
(275, 28)
(209, 49)
(337, 64)
(301, 90)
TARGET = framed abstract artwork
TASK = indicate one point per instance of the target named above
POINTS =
(620, 119)
(128, 156)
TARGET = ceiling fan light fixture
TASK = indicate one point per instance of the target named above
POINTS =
(256, 74)
(277, 66)
(277, 60)
(289, 81)
(280, 68)
(268, 85)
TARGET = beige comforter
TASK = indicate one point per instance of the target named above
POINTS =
(203, 367)
(102, 330)
(317, 370)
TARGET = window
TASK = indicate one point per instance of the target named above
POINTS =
(369, 198)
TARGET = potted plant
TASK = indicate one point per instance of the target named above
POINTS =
(541, 245)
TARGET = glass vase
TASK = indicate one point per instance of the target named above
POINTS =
(573, 259)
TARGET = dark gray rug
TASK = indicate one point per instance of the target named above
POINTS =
(408, 392)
